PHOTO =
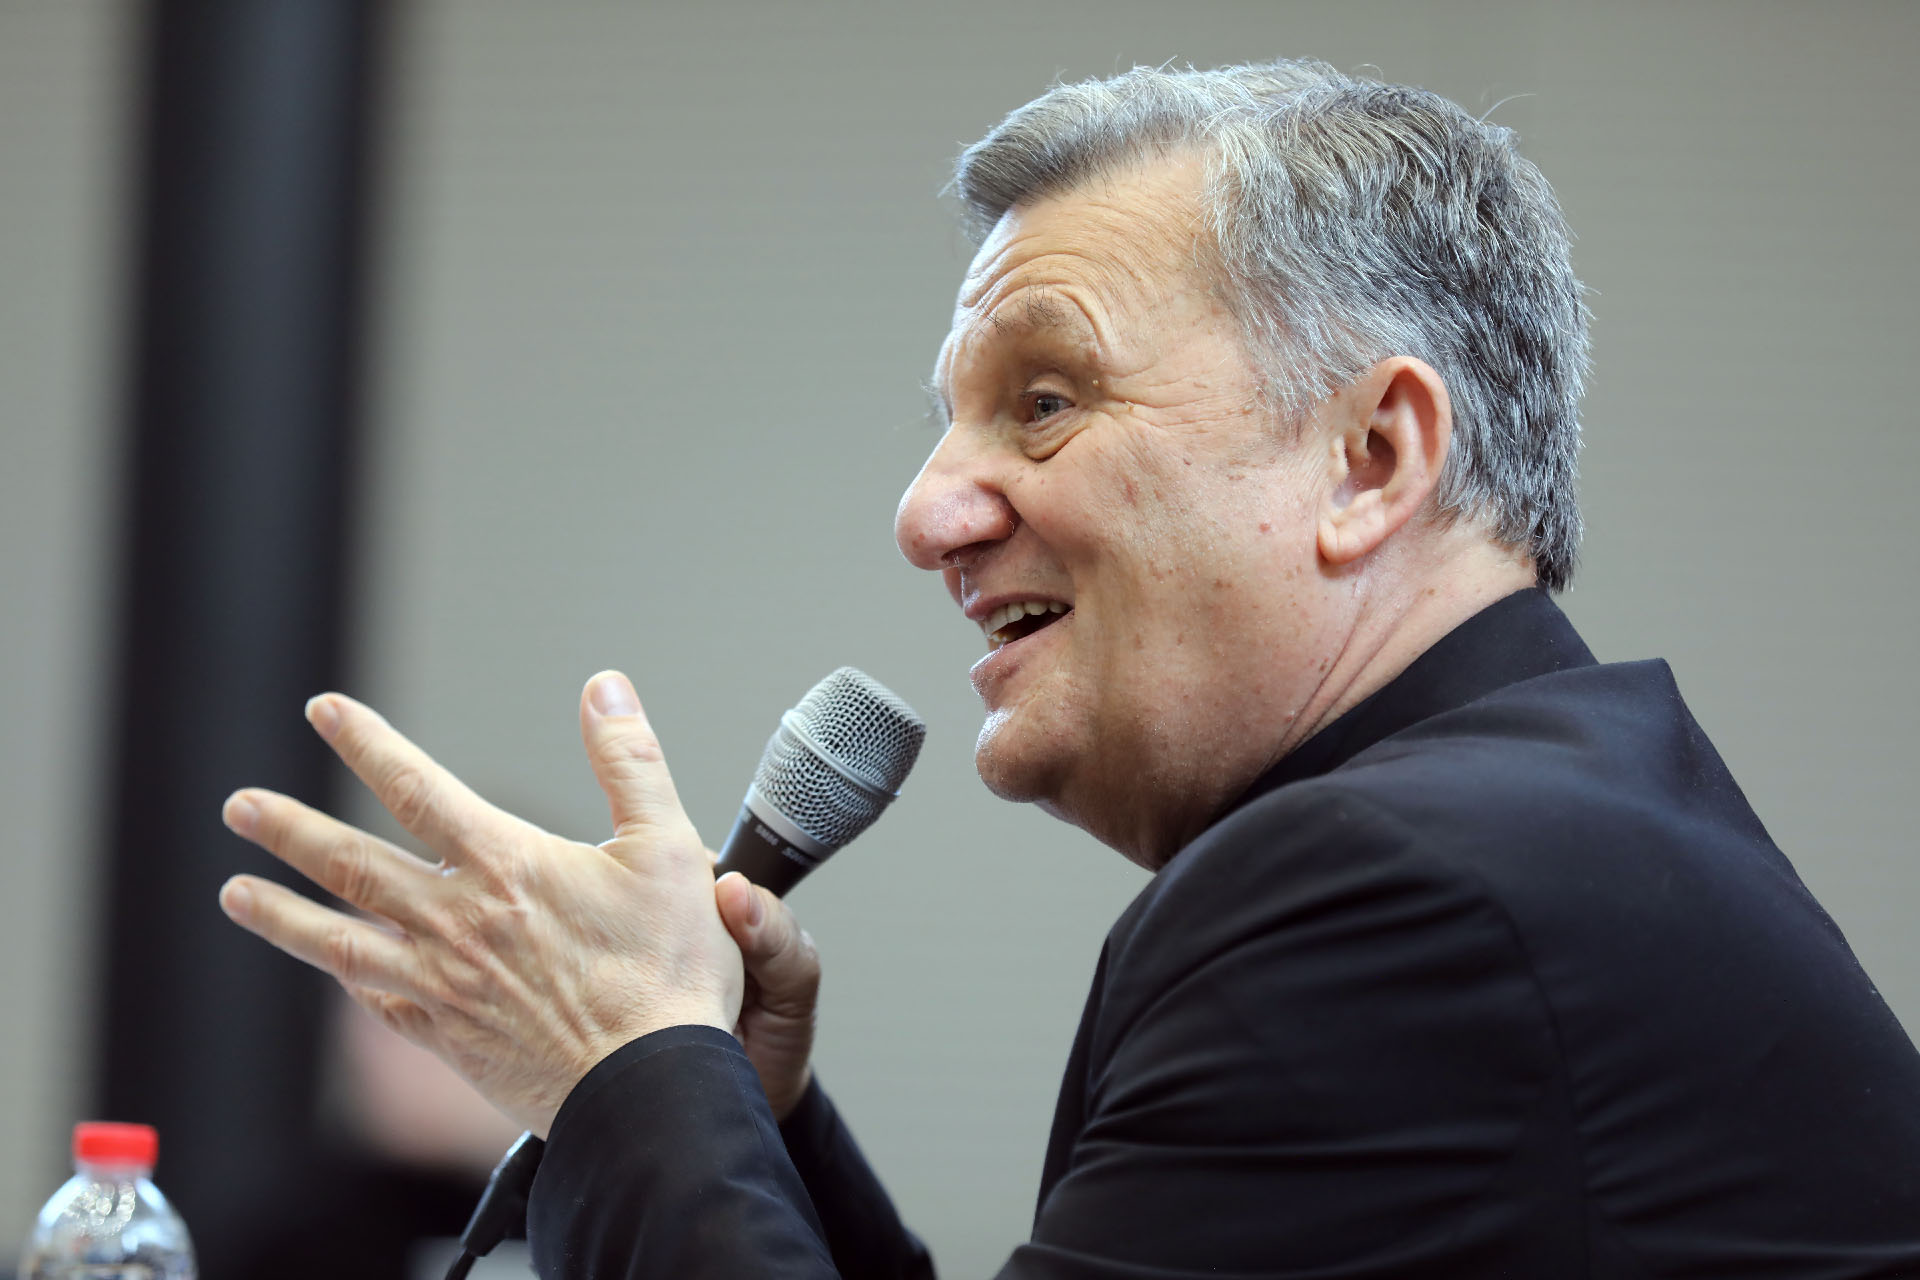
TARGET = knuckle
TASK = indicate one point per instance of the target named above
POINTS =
(638, 749)
(679, 844)
(342, 953)
(407, 795)
(345, 869)
(504, 857)
(377, 1003)
(396, 1014)
(397, 1017)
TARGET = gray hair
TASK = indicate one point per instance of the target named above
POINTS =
(1355, 221)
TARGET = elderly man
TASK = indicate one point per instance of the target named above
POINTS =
(1464, 955)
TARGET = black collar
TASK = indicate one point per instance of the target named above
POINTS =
(1513, 639)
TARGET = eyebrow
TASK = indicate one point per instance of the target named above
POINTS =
(1039, 311)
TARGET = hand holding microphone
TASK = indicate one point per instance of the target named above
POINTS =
(520, 958)
(833, 764)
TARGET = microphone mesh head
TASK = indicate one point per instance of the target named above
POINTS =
(859, 725)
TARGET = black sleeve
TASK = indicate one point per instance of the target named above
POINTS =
(863, 1230)
(665, 1161)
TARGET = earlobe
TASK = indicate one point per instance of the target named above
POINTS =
(1388, 443)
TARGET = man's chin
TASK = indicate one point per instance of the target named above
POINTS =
(1013, 769)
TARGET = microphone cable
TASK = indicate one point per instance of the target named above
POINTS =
(503, 1205)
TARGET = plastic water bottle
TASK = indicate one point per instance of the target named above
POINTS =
(109, 1222)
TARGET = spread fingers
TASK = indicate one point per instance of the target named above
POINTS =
(345, 861)
(426, 799)
(356, 952)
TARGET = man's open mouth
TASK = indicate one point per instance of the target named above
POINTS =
(1020, 619)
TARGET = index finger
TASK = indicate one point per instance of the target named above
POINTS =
(426, 799)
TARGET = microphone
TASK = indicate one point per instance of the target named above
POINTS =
(831, 768)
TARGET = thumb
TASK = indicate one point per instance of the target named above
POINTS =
(626, 758)
(778, 954)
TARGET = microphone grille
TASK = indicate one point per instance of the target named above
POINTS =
(849, 723)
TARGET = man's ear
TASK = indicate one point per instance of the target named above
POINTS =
(1387, 435)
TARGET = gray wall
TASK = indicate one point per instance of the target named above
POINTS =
(62, 110)
(661, 287)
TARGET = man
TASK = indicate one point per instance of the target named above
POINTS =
(1464, 955)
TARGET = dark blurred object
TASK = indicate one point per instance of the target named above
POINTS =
(242, 397)
(410, 1145)
(365, 1219)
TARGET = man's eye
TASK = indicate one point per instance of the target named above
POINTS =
(1043, 405)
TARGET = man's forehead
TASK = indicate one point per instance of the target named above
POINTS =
(1141, 221)
(1087, 265)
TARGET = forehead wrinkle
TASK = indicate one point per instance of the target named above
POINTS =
(1115, 250)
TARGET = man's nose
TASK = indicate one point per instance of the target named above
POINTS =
(954, 503)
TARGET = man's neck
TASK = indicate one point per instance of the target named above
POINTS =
(1401, 614)
(1384, 617)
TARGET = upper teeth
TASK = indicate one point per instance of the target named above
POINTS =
(1007, 614)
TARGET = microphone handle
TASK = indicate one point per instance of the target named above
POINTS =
(767, 847)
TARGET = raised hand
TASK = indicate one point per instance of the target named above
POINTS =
(520, 958)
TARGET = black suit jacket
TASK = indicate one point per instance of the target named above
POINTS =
(1496, 976)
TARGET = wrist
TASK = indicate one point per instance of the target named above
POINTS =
(614, 1039)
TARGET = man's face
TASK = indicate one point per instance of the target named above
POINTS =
(1120, 514)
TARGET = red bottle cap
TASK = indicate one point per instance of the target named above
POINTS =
(100, 1142)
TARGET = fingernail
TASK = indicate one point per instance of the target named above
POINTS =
(323, 716)
(236, 899)
(240, 814)
(753, 908)
(612, 695)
